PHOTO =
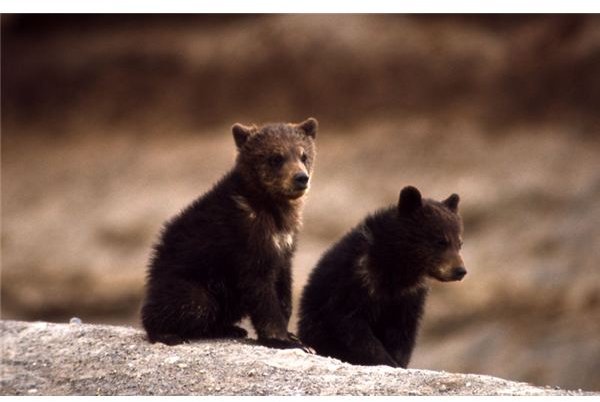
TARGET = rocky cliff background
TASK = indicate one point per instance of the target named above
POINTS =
(112, 124)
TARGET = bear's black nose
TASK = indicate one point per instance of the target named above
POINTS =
(458, 273)
(301, 181)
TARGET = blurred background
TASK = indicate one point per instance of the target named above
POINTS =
(112, 124)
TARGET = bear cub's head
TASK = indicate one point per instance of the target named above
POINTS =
(277, 158)
(434, 231)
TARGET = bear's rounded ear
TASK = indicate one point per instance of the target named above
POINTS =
(241, 133)
(452, 202)
(309, 126)
(410, 200)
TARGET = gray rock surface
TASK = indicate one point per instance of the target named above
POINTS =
(40, 358)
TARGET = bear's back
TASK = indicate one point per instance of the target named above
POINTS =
(202, 238)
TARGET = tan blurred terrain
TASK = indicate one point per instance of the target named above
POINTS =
(110, 125)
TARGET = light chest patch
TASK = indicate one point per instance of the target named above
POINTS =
(283, 241)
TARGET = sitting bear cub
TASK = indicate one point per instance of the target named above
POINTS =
(364, 299)
(228, 254)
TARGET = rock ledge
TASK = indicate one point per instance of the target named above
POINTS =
(41, 358)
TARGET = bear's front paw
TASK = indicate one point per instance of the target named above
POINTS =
(235, 332)
(292, 342)
(294, 338)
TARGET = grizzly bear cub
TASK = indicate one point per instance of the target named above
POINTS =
(228, 254)
(364, 299)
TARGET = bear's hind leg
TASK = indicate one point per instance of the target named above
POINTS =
(230, 331)
(178, 312)
(167, 339)
(359, 345)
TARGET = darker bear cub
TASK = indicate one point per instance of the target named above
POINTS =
(228, 255)
(364, 299)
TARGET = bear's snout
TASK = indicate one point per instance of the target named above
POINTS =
(458, 273)
(448, 273)
(301, 181)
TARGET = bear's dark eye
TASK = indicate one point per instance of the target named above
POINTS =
(304, 158)
(442, 243)
(275, 161)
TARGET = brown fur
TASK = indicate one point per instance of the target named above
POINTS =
(364, 299)
(228, 255)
